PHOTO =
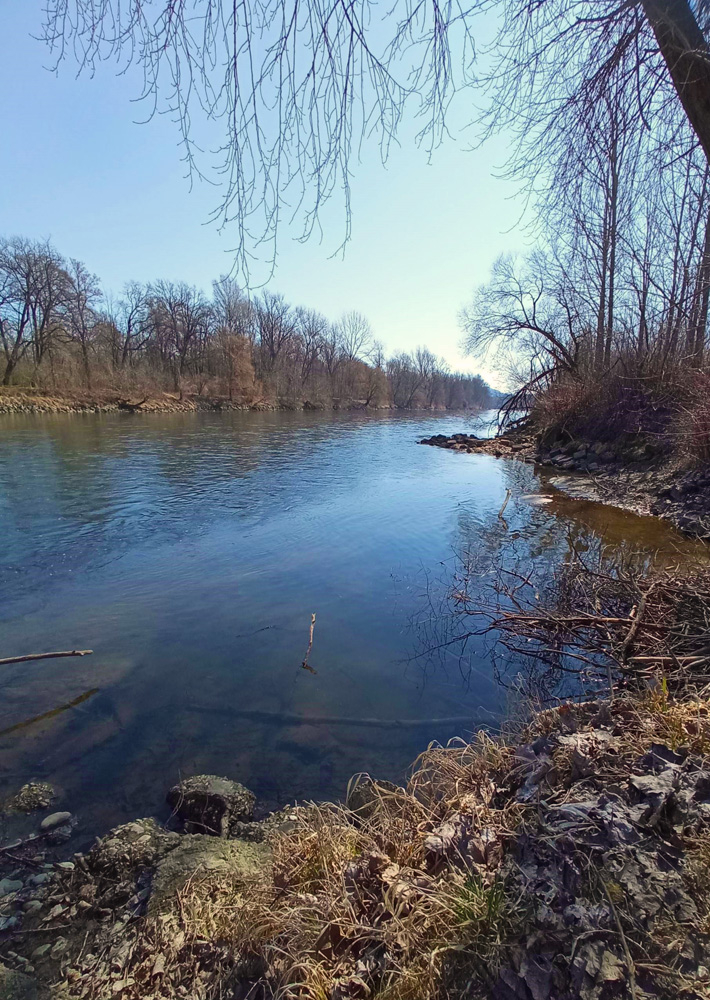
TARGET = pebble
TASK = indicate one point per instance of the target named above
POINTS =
(39, 879)
(60, 946)
(54, 819)
(9, 923)
(42, 950)
(32, 905)
(9, 885)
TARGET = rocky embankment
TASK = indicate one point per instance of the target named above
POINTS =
(31, 402)
(631, 474)
(18, 402)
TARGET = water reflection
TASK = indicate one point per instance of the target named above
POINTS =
(190, 551)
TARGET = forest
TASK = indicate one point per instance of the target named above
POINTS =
(60, 333)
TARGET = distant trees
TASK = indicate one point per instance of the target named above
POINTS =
(57, 329)
(33, 289)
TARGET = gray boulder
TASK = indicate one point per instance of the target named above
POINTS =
(210, 804)
(200, 857)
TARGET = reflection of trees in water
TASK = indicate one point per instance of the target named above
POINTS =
(534, 557)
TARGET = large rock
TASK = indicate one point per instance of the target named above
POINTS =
(131, 848)
(34, 795)
(365, 794)
(17, 986)
(199, 856)
(210, 804)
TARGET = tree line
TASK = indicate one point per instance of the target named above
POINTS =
(60, 331)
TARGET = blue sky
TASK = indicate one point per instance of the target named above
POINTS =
(78, 168)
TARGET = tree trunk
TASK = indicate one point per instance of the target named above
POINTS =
(687, 56)
(702, 293)
(87, 366)
(9, 369)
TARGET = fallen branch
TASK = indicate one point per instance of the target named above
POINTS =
(45, 656)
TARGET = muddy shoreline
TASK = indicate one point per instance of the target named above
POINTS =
(632, 476)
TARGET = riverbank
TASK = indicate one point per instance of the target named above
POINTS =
(567, 857)
(12, 401)
(631, 474)
(15, 401)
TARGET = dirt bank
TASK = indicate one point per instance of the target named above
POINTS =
(631, 475)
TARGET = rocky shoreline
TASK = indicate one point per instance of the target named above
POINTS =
(583, 830)
(24, 403)
(633, 475)
(31, 402)
(565, 858)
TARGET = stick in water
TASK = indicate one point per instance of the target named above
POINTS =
(306, 665)
(46, 656)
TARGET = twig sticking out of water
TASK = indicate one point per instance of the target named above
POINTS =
(305, 664)
(46, 656)
(508, 494)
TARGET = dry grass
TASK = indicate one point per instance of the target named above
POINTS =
(366, 909)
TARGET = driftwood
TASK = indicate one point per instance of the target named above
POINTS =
(45, 656)
(123, 404)
(605, 623)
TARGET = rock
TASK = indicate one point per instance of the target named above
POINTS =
(55, 819)
(132, 847)
(39, 879)
(210, 804)
(18, 986)
(33, 795)
(257, 831)
(364, 795)
(9, 924)
(9, 885)
(198, 854)
(32, 905)
(59, 947)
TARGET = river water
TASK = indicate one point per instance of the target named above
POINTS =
(189, 551)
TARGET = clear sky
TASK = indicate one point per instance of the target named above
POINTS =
(78, 168)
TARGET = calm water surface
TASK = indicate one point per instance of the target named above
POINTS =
(189, 552)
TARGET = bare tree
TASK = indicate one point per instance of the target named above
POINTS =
(182, 321)
(355, 336)
(33, 287)
(129, 320)
(83, 295)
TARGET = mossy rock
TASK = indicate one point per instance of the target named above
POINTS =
(18, 986)
(131, 848)
(199, 855)
(207, 803)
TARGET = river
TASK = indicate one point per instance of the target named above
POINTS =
(189, 551)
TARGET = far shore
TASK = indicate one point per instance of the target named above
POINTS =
(24, 401)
